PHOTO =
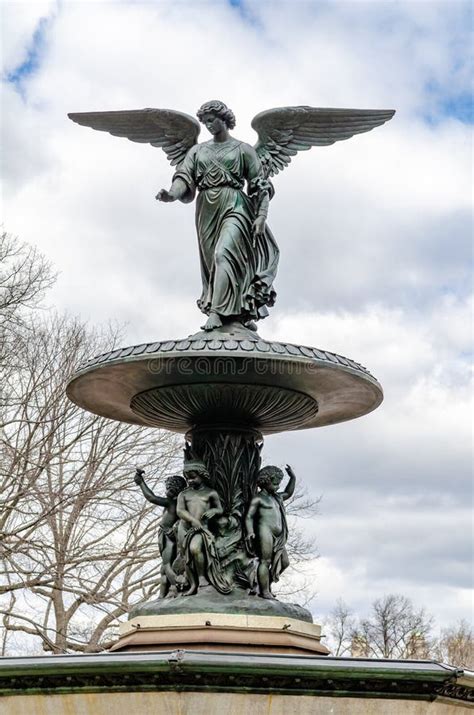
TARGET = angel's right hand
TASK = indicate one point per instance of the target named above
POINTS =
(164, 195)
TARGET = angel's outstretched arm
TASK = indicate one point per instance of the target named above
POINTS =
(183, 187)
(177, 191)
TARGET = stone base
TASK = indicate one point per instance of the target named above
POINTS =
(221, 632)
(208, 600)
(205, 703)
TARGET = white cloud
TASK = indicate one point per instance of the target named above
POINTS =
(352, 584)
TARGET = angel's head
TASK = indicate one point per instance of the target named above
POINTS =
(214, 115)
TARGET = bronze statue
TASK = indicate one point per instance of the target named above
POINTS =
(266, 527)
(229, 538)
(167, 537)
(238, 254)
(197, 505)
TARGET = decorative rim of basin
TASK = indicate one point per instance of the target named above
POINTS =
(109, 384)
(229, 344)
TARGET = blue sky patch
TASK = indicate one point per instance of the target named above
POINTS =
(444, 104)
(460, 107)
(244, 11)
(33, 55)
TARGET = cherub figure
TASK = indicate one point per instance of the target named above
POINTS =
(167, 537)
(197, 505)
(266, 527)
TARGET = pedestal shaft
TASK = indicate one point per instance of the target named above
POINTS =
(232, 456)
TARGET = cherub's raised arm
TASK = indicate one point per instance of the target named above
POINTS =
(290, 487)
(147, 492)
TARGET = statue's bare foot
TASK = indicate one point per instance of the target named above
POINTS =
(191, 591)
(212, 322)
(251, 325)
(266, 594)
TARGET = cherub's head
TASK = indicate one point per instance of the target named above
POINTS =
(174, 485)
(222, 523)
(216, 115)
(269, 478)
(195, 473)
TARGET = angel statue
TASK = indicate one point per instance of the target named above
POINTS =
(238, 253)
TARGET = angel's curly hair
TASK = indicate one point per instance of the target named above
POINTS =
(267, 475)
(219, 109)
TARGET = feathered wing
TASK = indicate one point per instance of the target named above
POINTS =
(174, 132)
(285, 131)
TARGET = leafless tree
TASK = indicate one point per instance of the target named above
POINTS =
(78, 542)
(394, 630)
(339, 629)
(455, 645)
(25, 275)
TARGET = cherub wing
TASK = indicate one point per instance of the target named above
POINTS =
(174, 132)
(285, 131)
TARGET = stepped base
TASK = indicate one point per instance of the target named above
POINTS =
(221, 632)
(210, 621)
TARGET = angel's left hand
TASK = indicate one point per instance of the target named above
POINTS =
(259, 226)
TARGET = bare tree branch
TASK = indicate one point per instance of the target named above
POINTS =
(76, 537)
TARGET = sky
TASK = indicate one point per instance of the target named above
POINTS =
(374, 234)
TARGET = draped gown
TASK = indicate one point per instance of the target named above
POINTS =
(237, 269)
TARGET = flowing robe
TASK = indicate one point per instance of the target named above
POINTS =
(214, 573)
(237, 268)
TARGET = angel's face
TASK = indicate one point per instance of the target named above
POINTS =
(213, 123)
